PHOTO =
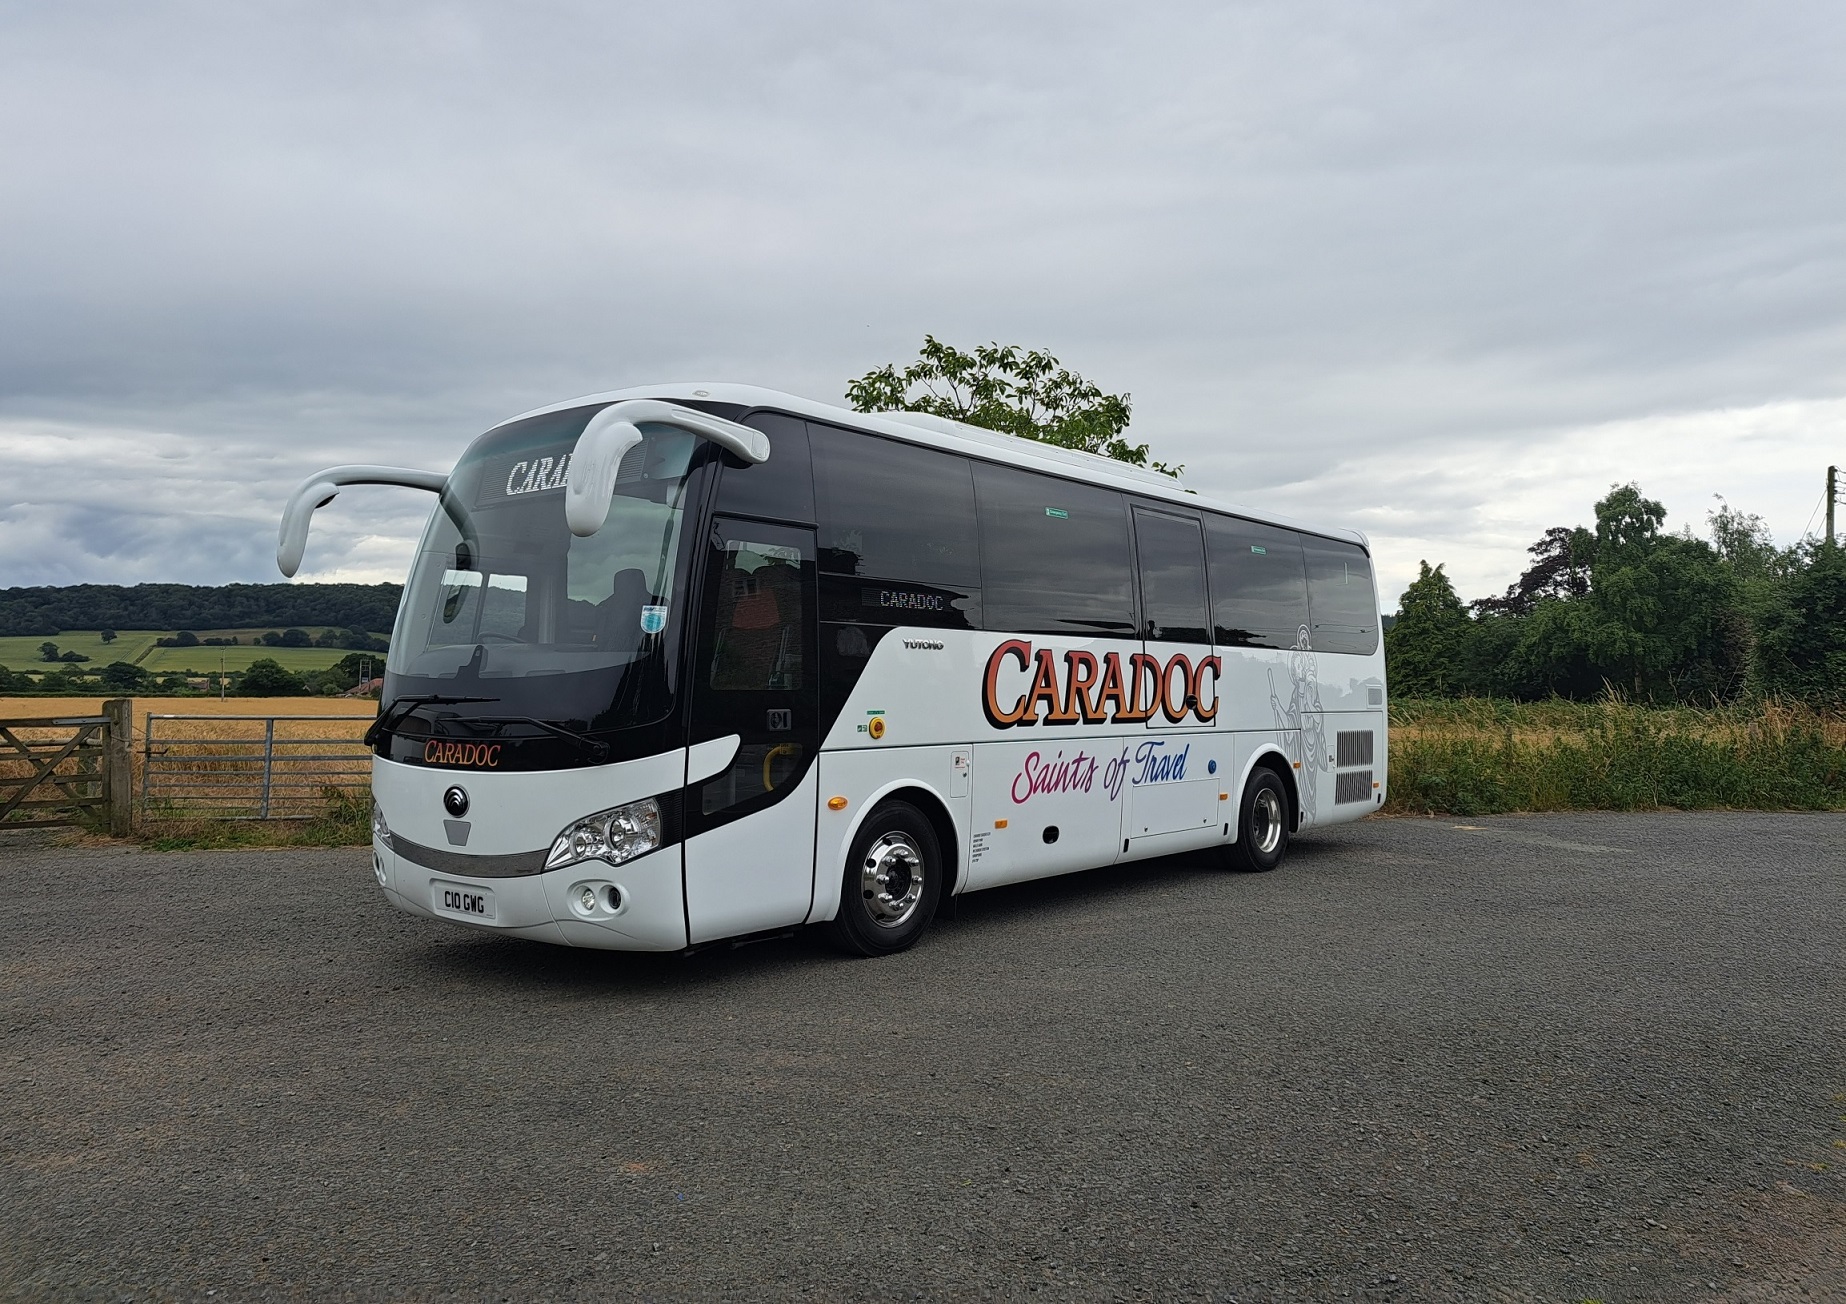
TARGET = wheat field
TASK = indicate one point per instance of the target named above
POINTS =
(222, 755)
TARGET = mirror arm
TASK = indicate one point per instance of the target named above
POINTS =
(751, 445)
(596, 457)
(322, 487)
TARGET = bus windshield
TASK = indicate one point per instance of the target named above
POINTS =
(506, 605)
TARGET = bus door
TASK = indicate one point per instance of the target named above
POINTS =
(750, 827)
(1175, 769)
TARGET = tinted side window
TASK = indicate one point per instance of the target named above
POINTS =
(1340, 597)
(781, 488)
(1054, 555)
(1172, 557)
(1258, 583)
(894, 511)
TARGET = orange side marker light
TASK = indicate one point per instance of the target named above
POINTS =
(999, 824)
(836, 803)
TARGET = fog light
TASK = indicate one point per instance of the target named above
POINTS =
(615, 897)
(587, 899)
(378, 868)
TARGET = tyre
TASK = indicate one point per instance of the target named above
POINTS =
(893, 880)
(1262, 824)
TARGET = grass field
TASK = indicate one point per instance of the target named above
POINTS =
(1483, 757)
(21, 652)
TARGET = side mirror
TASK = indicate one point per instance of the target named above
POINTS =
(320, 489)
(589, 482)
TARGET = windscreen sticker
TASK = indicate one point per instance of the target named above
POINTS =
(653, 619)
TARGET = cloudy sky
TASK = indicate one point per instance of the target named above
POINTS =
(1443, 272)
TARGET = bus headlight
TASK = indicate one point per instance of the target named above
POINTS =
(613, 836)
(380, 830)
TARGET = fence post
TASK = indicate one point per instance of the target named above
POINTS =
(269, 760)
(119, 765)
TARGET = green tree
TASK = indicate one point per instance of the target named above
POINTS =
(106, 635)
(1003, 387)
(1801, 639)
(123, 676)
(1426, 648)
(47, 651)
(1662, 617)
(267, 678)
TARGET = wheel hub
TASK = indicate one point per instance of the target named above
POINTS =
(1266, 822)
(891, 879)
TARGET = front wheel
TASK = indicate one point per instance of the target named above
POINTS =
(893, 879)
(1262, 824)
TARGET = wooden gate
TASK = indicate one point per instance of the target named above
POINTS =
(68, 769)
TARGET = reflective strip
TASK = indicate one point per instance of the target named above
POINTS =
(468, 866)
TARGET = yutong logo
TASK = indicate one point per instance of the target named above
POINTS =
(479, 755)
(1078, 688)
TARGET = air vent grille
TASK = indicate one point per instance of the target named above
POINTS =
(1355, 748)
(1354, 785)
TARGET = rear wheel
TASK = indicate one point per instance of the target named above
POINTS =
(892, 882)
(1262, 824)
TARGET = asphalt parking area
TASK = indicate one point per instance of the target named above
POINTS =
(1551, 1058)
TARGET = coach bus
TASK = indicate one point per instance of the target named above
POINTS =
(697, 663)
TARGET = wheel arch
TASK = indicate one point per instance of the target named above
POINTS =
(1272, 757)
(935, 809)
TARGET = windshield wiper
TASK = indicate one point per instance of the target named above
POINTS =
(391, 717)
(598, 749)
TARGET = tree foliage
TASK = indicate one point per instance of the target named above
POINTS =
(1626, 605)
(267, 677)
(1024, 392)
(48, 611)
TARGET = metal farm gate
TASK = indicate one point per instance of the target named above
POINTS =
(251, 766)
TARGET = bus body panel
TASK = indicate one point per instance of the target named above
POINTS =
(755, 873)
(507, 815)
(521, 811)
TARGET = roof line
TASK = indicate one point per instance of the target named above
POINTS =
(952, 436)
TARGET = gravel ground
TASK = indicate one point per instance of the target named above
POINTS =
(1553, 1058)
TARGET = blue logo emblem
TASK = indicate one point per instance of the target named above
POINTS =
(653, 619)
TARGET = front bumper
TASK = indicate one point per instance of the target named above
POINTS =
(638, 906)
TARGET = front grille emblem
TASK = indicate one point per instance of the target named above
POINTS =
(455, 801)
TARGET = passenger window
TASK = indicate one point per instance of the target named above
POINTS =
(1258, 584)
(781, 488)
(1340, 597)
(1054, 555)
(1172, 556)
(891, 510)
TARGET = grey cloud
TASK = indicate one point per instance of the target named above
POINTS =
(1310, 239)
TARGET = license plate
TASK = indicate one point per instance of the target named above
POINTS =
(461, 902)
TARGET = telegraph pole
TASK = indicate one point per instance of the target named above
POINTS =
(1833, 494)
